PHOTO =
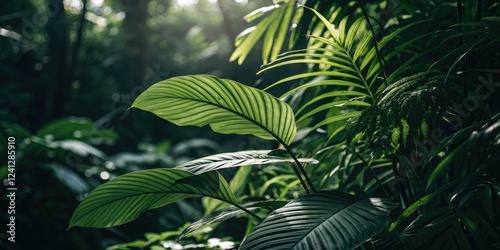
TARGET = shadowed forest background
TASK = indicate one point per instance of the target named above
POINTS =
(82, 63)
(70, 71)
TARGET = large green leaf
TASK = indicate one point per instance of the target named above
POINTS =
(236, 159)
(323, 220)
(124, 198)
(227, 106)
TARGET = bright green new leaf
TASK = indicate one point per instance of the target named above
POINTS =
(272, 29)
(124, 198)
(323, 220)
(237, 159)
(227, 106)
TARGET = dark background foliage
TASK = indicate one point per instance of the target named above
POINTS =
(70, 70)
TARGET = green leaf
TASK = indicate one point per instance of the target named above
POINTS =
(227, 106)
(236, 159)
(228, 213)
(442, 165)
(259, 12)
(323, 220)
(424, 201)
(64, 128)
(69, 178)
(78, 148)
(273, 28)
(75, 128)
(412, 208)
(124, 198)
(211, 184)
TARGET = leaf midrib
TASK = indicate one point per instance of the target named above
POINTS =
(233, 111)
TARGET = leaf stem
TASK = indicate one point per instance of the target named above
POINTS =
(380, 60)
(297, 173)
(249, 212)
(300, 167)
(373, 172)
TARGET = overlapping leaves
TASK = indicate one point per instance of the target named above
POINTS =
(124, 198)
(273, 28)
(236, 159)
(230, 212)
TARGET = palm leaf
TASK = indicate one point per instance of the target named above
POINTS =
(237, 159)
(227, 106)
(124, 198)
(323, 220)
(273, 28)
(446, 228)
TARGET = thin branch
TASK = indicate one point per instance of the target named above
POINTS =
(79, 35)
(380, 60)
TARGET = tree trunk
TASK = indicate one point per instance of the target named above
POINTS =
(58, 89)
(226, 20)
(136, 31)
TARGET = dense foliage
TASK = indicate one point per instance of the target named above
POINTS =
(385, 135)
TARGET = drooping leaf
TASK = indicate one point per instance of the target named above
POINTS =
(230, 212)
(70, 178)
(236, 159)
(79, 148)
(124, 198)
(273, 28)
(227, 106)
(75, 128)
(64, 128)
(323, 220)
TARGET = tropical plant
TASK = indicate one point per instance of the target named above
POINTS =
(376, 115)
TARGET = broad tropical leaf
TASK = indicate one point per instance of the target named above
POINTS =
(236, 159)
(323, 220)
(124, 198)
(230, 212)
(227, 106)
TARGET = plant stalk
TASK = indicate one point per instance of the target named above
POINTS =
(380, 60)
(300, 168)
(249, 212)
(373, 172)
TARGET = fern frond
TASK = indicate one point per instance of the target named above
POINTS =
(405, 109)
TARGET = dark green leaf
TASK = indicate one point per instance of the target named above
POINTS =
(323, 220)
